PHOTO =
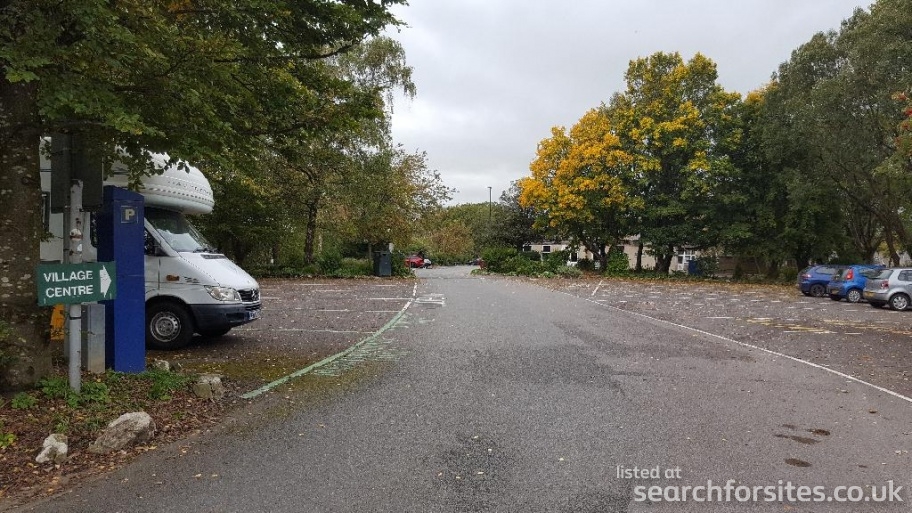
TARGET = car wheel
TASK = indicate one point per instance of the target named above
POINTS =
(168, 326)
(835, 298)
(899, 302)
(214, 333)
(818, 290)
(853, 296)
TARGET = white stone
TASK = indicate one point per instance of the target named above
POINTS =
(128, 429)
(54, 449)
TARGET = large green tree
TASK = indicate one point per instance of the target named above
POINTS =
(836, 97)
(680, 126)
(304, 176)
(201, 80)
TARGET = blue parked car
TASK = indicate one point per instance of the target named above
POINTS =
(850, 282)
(813, 280)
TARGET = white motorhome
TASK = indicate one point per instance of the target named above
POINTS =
(190, 287)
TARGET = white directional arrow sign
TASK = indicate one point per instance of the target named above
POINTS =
(76, 283)
(104, 281)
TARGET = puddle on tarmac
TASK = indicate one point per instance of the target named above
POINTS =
(799, 439)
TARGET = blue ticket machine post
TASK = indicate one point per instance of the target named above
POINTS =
(120, 239)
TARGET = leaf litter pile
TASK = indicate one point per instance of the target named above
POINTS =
(27, 418)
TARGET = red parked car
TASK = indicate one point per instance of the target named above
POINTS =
(413, 261)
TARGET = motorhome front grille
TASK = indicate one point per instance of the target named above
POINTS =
(250, 295)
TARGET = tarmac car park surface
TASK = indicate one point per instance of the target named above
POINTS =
(305, 321)
(494, 356)
(870, 344)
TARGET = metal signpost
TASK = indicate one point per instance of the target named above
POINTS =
(75, 284)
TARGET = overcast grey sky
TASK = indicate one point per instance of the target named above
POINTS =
(494, 76)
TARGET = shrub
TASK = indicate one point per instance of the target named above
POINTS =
(55, 387)
(285, 271)
(495, 257)
(585, 264)
(568, 272)
(352, 267)
(533, 256)
(6, 439)
(789, 274)
(398, 267)
(23, 401)
(520, 266)
(329, 261)
(94, 392)
(618, 263)
(164, 383)
(556, 260)
(707, 265)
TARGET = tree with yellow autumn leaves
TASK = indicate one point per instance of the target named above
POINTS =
(653, 162)
(581, 184)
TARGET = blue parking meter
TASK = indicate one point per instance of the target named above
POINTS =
(120, 239)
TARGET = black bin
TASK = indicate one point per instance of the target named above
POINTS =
(382, 263)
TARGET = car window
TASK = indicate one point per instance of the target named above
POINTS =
(883, 274)
(870, 273)
(905, 276)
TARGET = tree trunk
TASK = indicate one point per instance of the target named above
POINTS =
(663, 260)
(891, 248)
(25, 350)
(772, 271)
(310, 230)
(241, 251)
(639, 264)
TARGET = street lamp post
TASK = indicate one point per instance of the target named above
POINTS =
(489, 204)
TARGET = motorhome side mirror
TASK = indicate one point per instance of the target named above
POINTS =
(151, 247)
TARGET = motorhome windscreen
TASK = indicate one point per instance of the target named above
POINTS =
(177, 231)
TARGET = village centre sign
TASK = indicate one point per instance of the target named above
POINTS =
(76, 283)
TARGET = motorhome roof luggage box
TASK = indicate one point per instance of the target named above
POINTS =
(185, 190)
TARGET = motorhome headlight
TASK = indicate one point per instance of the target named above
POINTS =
(223, 293)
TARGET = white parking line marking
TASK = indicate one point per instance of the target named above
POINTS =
(596, 288)
(301, 330)
(392, 322)
(758, 348)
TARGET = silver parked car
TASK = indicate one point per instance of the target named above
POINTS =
(890, 287)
